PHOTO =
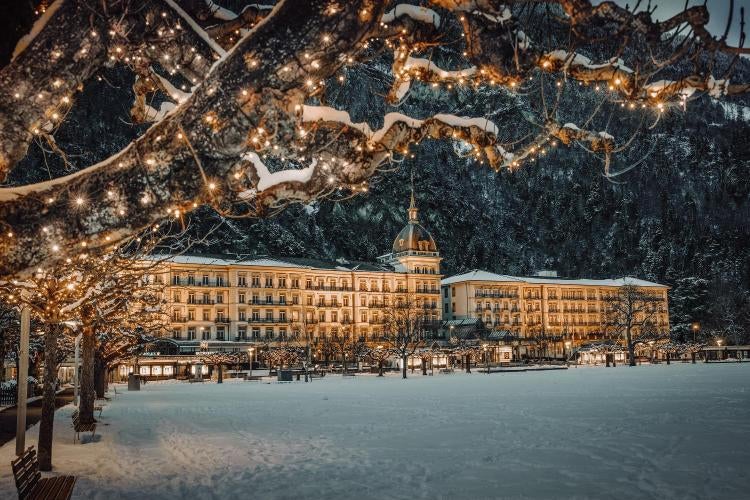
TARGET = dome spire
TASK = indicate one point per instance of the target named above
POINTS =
(412, 206)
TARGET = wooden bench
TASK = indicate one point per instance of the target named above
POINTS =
(79, 427)
(99, 408)
(253, 378)
(31, 485)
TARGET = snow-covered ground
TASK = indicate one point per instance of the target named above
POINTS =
(679, 431)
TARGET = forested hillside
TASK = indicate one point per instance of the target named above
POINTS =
(680, 216)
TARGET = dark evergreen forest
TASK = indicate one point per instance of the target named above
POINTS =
(679, 217)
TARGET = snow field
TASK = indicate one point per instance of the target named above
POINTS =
(678, 431)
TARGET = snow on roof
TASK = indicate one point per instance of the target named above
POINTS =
(478, 275)
(192, 259)
(267, 262)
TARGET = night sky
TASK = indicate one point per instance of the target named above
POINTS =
(719, 10)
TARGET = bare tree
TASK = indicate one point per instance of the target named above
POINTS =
(220, 359)
(632, 312)
(405, 328)
(245, 127)
(379, 354)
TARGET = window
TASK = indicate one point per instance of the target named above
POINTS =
(242, 315)
(282, 333)
(445, 308)
(176, 297)
(191, 279)
(191, 314)
(256, 298)
(177, 333)
(363, 316)
(241, 297)
(269, 315)
(309, 300)
(256, 333)
(219, 298)
(269, 333)
(453, 291)
(282, 282)
(334, 316)
(269, 298)
(204, 280)
(219, 280)
(295, 299)
(282, 315)
(295, 282)
(205, 333)
(191, 334)
(205, 315)
(282, 298)
(256, 315)
(322, 317)
(206, 298)
(346, 301)
(269, 282)
(256, 282)
(220, 333)
(241, 280)
(308, 284)
(191, 298)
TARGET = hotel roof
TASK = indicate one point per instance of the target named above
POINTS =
(265, 261)
(479, 275)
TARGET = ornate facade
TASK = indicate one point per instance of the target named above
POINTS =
(235, 302)
(528, 307)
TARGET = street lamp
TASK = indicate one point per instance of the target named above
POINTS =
(250, 351)
(567, 349)
(696, 328)
(486, 359)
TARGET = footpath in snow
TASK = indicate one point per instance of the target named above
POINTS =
(678, 431)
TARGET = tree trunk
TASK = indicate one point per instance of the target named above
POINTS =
(631, 347)
(424, 367)
(220, 377)
(403, 366)
(468, 363)
(47, 420)
(667, 357)
(86, 408)
(100, 376)
(614, 360)
(606, 357)
(380, 368)
(692, 357)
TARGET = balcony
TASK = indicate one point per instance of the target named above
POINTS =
(332, 288)
(221, 283)
(204, 302)
(179, 319)
(495, 295)
(222, 319)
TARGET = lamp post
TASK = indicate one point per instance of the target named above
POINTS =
(486, 359)
(567, 349)
(696, 328)
(250, 351)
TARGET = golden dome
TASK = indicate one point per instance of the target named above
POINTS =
(414, 237)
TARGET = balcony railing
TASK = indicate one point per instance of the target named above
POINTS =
(222, 319)
(204, 302)
(202, 283)
(495, 295)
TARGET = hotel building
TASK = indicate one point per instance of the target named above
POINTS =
(233, 303)
(541, 305)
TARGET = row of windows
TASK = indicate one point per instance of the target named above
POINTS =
(220, 280)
